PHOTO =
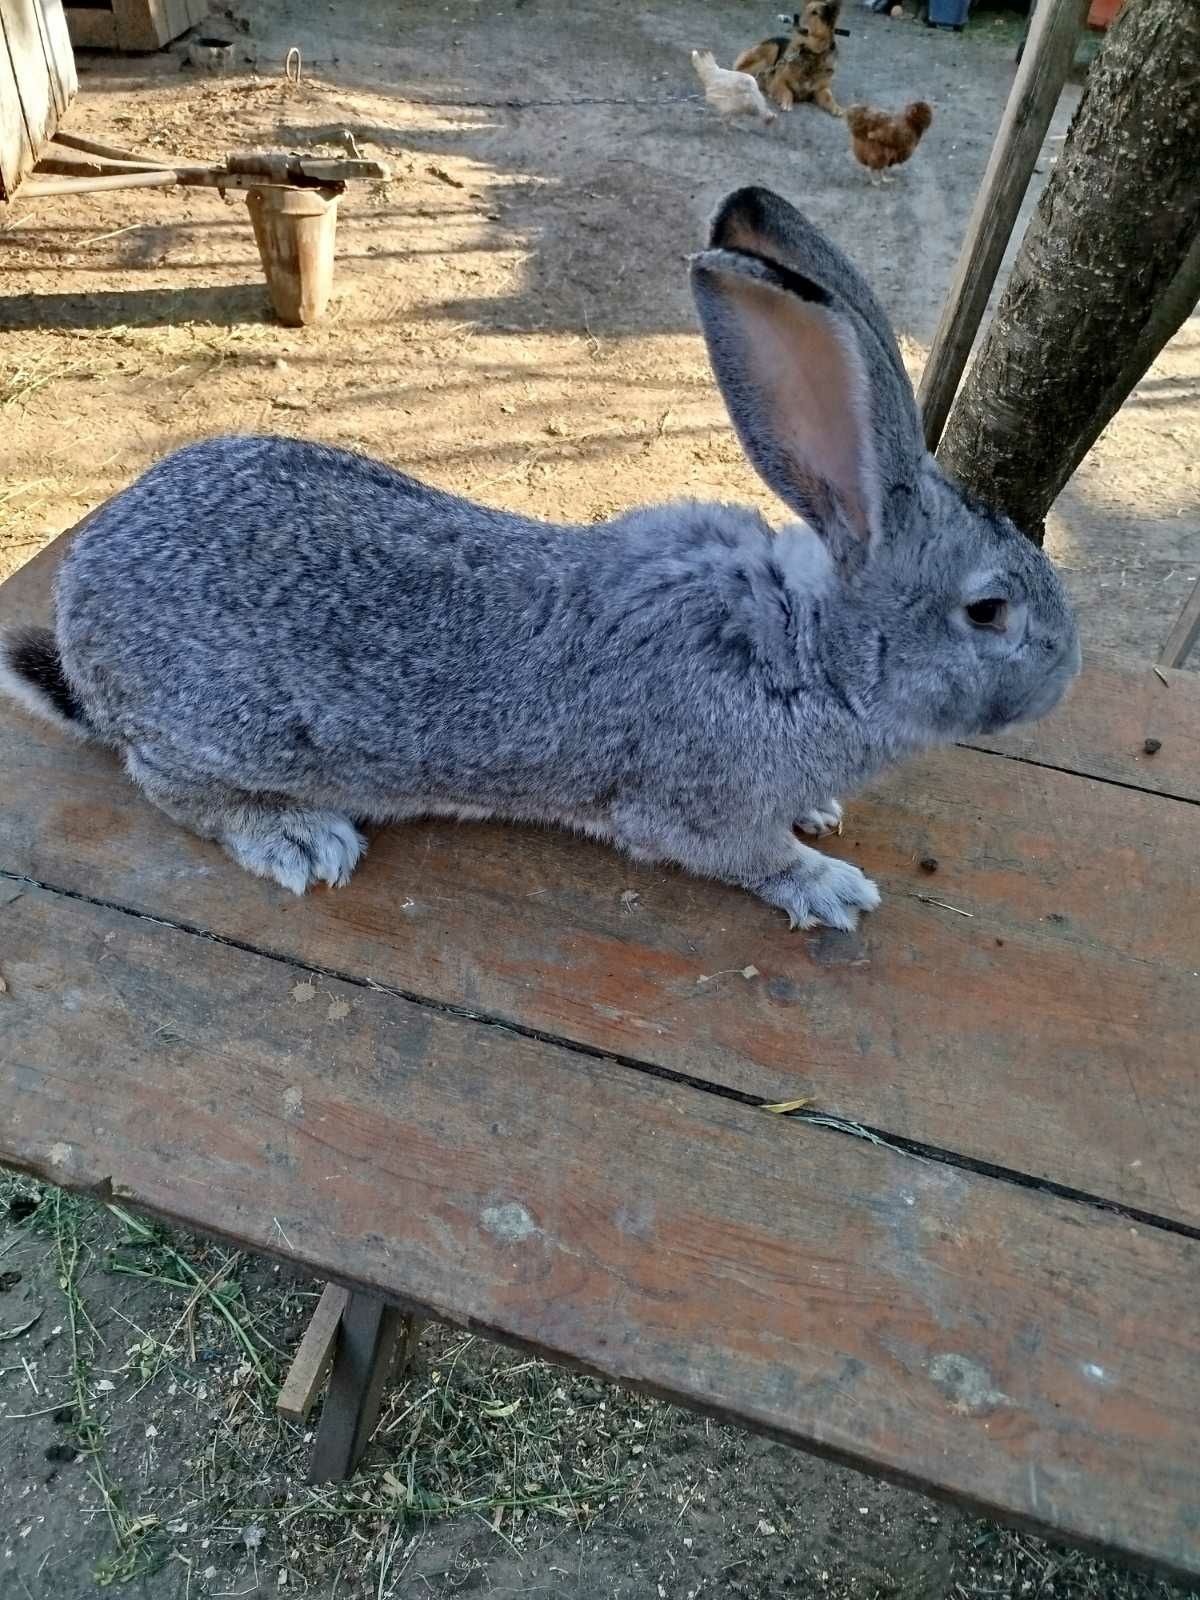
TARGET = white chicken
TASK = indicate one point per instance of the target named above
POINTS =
(731, 94)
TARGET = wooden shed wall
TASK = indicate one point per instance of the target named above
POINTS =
(132, 24)
(37, 83)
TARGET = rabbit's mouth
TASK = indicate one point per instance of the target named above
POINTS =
(1039, 702)
(1002, 715)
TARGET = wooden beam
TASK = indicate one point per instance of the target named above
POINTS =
(307, 175)
(372, 1339)
(111, 152)
(311, 1362)
(87, 167)
(41, 188)
(1040, 77)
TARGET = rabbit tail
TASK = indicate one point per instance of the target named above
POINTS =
(31, 673)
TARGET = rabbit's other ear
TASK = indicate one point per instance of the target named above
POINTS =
(813, 382)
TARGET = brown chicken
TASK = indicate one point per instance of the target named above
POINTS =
(882, 139)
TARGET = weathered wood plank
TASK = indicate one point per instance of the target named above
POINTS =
(1052, 1030)
(35, 88)
(16, 150)
(372, 1339)
(311, 1361)
(1034, 1355)
(1102, 728)
(56, 46)
(91, 30)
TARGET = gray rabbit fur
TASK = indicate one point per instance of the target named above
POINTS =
(282, 640)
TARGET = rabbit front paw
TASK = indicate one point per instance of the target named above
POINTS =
(297, 848)
(820, 889)
(820, 820)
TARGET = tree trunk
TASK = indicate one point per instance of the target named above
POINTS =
(1110, 239)
(1049, 53)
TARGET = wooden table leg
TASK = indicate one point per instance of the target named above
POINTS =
(1182, 639)
(372, 1339)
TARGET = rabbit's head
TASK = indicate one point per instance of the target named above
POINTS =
(943, 619)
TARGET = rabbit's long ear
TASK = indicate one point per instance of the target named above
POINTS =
(759, 222)
(810, 372)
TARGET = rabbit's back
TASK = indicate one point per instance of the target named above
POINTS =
(286, 616)
(260, 593)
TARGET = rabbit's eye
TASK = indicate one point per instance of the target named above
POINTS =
(988, 614)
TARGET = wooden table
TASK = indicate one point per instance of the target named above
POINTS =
(510, 1079)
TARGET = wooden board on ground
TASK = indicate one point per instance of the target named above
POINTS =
(1030, 1353)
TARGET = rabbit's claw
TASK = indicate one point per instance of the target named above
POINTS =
(821, 820)
(820, 889)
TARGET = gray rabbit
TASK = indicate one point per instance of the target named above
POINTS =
(281, 639)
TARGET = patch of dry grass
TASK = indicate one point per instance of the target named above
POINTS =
(193, 1368)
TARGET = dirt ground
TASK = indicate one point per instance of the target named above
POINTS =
(512, 317)
(511, 321)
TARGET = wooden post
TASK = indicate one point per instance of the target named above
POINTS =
(373, 1338)
(1185, 635)
(1044, 66)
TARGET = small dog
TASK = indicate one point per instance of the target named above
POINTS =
(800, 65)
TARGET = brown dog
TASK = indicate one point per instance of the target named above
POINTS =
(800, 65)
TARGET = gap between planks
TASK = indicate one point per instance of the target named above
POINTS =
(1078, 772)
(815, 1118)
